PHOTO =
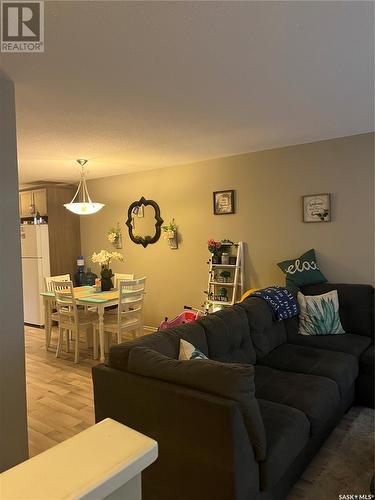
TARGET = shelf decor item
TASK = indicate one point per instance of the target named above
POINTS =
(170, 233)
(225, 275)
(214, 248)
(104, 258)
(223, 202)
(115, 236)
(81, 203)
(316, 207)
(225, 258)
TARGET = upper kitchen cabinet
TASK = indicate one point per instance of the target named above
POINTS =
(40, 201)
(63, 226)
(26, 201)
(33, 201)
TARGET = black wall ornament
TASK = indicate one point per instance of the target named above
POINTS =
(138, 211)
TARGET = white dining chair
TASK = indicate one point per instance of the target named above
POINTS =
(48, 281)
(72, 319)
(48, 287)
(117, 278)
(129, 317)
(121, 276)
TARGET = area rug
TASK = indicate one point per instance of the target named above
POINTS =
(345, 463)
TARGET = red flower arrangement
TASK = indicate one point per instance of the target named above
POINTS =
(214, 246)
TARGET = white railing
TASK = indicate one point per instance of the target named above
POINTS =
(104, 461)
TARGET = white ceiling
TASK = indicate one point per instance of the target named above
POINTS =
(140, 85)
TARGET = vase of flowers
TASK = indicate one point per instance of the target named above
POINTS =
(104, 258)
(214, 248)
(170, 233)
(114, 235)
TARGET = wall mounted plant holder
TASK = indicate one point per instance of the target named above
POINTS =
(173, 241)
(171, 235)
(118, 243)
(114, 235)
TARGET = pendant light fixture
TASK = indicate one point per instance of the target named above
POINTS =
(83, 205)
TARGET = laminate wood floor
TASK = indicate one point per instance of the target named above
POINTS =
(59, 392)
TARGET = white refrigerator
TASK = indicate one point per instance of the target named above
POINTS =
(35, 266)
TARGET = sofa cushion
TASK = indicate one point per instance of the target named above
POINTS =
(356, 305)
(338, 366)
(349, 343)
(287, 432)
(228, 336)
(317, 397)
(366, 361)
(166, 342)
(266, 333)
(230, 380)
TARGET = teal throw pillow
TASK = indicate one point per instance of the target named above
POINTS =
(302, 271)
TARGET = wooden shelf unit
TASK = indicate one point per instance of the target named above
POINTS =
(235, 287)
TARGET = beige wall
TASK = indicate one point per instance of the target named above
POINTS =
(269, 186)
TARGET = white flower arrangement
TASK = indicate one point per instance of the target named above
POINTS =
(104, 257)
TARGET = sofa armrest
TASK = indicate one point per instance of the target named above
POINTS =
(204, 449)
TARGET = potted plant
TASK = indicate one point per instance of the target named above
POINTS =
(170, 233)
(104, 258)
(214, 248)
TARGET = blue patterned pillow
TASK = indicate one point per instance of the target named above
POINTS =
(188, 351)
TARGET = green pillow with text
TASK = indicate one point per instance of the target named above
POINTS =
(302, 271)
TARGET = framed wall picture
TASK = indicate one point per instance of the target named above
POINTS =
(316, 207)
(224, 202)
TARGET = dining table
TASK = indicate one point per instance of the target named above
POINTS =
(86, 296)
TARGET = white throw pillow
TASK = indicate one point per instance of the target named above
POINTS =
(188, 351)
(319, 314)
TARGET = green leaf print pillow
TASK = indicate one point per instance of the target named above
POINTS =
(319, 314)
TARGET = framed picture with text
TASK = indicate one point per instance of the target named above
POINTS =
(223, 202)
(316, 207)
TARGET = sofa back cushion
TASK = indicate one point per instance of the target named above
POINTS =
(232, 381)
(266, 332)
(356, 305)
(228, 336)
(166, 342)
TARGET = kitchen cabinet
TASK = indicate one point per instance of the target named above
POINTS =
(40, 201)
(63, 226)
(26, 201)
(33, 201)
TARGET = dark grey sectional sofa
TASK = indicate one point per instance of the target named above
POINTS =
(303, 386)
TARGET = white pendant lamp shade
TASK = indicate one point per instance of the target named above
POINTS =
(81, 203)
